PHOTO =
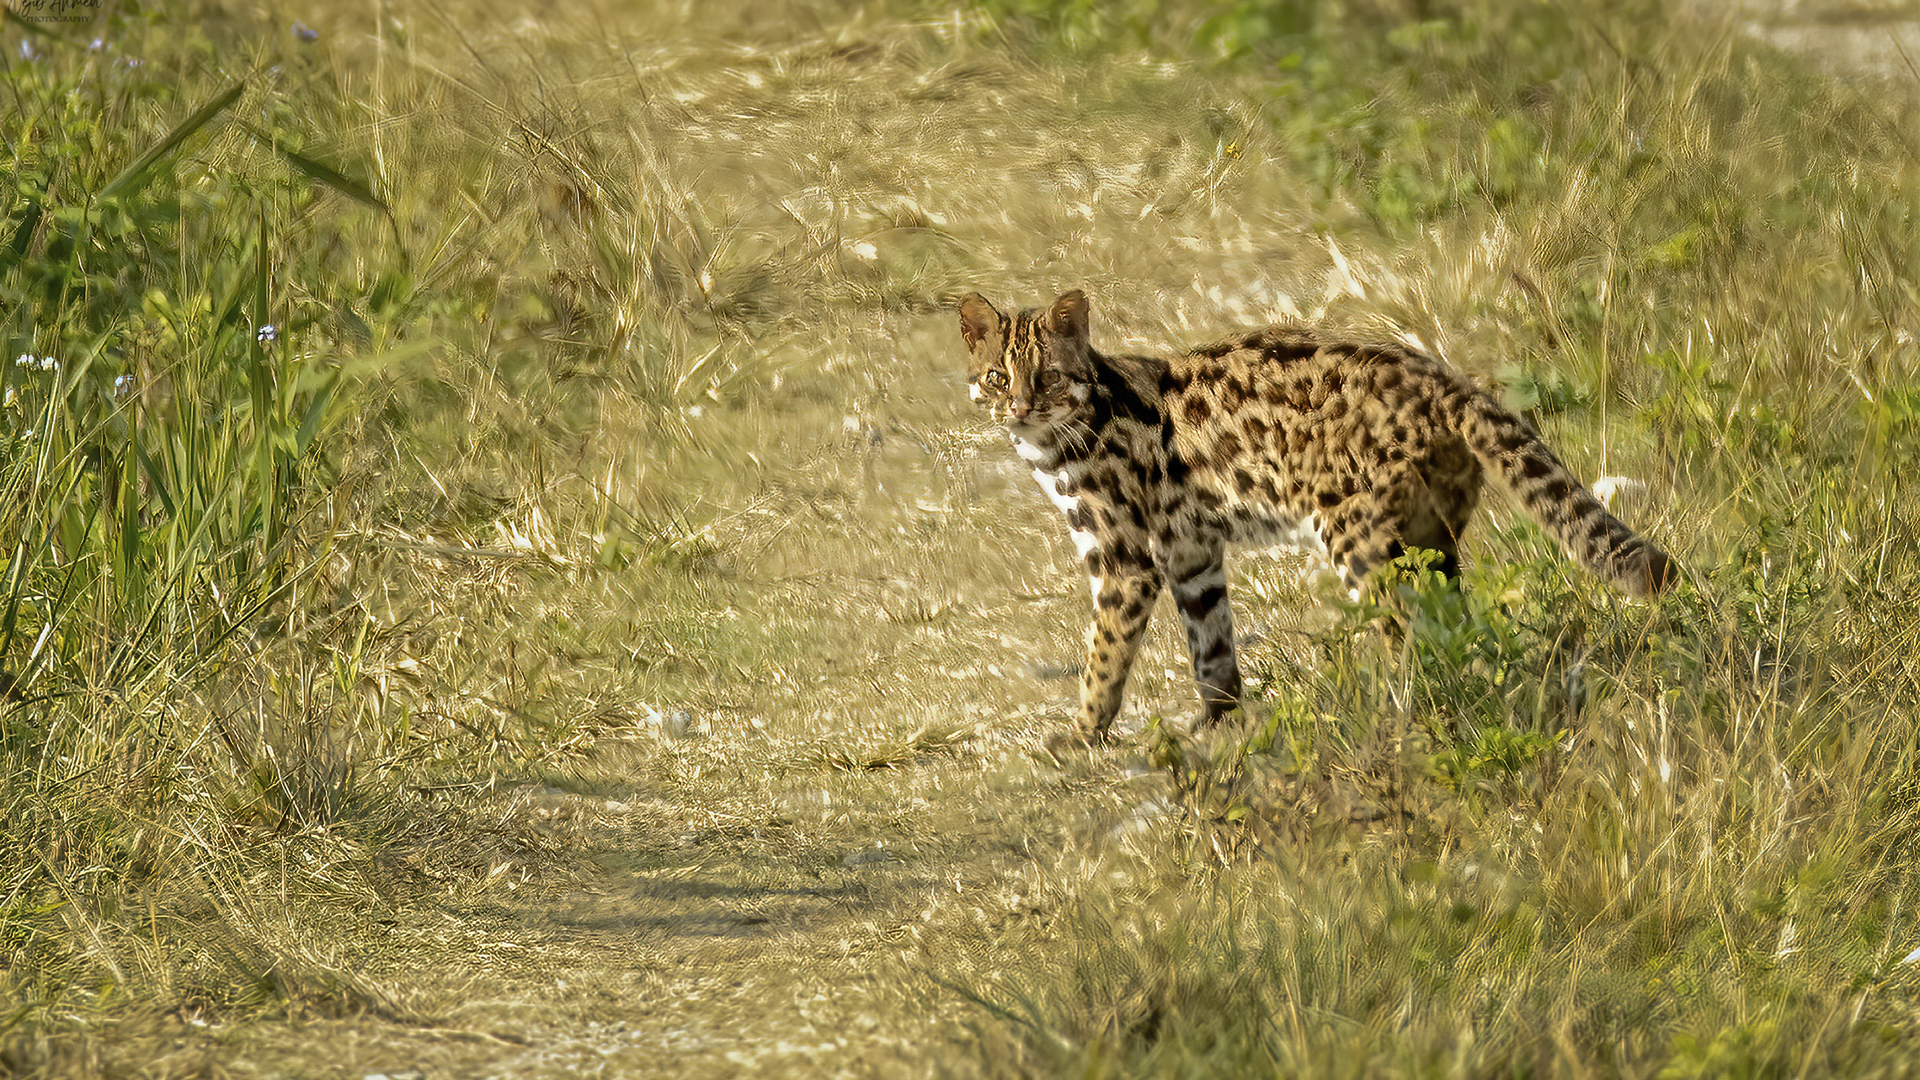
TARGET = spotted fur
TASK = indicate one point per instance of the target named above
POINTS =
(1349, 451)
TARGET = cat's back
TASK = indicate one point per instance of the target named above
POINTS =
(1297, 370)
(1285, 351)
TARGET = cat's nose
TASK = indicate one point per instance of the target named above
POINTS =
(1021, 407)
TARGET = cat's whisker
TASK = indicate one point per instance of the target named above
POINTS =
(1078, 435)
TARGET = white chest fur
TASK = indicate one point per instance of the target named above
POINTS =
(1052, 484)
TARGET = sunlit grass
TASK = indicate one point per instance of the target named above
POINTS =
(604, 501)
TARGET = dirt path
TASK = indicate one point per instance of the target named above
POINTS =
(679, 942)
(788, 874)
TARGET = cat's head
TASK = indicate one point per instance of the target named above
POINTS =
(1032, 370)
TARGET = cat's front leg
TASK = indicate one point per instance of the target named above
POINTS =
(1196, 572)
(1123, 596)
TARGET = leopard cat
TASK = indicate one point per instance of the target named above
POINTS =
(1348, 451)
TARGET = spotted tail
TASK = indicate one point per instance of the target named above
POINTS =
(1561, 503)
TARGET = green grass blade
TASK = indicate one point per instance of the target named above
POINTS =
(133, 583)
(320, 172)
(316, 412)
(135, 176)
(23, 558)
(22, 236)
(156, 479)
(16, 571)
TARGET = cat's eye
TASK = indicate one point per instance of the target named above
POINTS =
(995, 380)
(1050, 379)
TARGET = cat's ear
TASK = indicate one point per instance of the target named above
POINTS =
(978, 318)
(1068, 316)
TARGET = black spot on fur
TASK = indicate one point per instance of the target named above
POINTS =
(1198, 605)
(1127, 555)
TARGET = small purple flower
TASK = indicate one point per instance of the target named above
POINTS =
(27, 51)
(97, 45)
(24, 360)
(268, 334)
(304, 32)
(123, 387)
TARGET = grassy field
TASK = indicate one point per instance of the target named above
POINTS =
(499, 575)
